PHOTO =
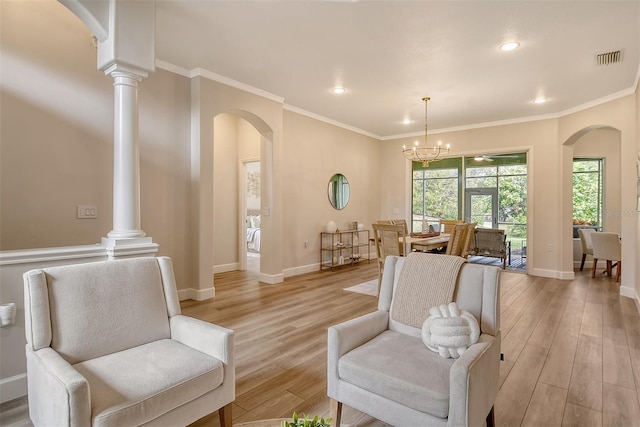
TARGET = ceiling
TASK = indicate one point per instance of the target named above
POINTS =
(390, 54)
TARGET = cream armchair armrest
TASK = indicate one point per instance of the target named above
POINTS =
(474, 381)
(58, 394)
(206, 337)
(348, 335)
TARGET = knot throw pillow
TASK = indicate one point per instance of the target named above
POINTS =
(449, 331)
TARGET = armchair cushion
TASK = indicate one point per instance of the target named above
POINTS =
(134, 386)
(400, 368)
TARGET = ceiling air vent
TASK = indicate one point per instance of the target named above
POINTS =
(609, 57)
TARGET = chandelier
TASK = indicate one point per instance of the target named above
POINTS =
(423, 153)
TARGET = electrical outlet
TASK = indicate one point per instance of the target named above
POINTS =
(550, 247)
(87, 212)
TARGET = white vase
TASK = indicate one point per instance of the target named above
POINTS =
(331, 227)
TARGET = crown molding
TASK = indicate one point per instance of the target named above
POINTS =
(330, 121)
(200, 72)
(557, 115)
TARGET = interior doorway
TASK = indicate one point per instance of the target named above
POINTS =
(252, 180)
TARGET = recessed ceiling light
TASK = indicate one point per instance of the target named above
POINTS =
(338, 90)
(406, 121)
(540, 100)
(509, 46)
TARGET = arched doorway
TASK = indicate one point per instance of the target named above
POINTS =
(602, 143)
(240, 138)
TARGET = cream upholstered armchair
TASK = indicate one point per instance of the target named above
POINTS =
(378, 364)
(107, 346)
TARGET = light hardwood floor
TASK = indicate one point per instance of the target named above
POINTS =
(572, 348)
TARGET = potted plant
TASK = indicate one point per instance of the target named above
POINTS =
(305, 421)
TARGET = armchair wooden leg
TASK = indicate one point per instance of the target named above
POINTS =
(584, 256)
(491, 419)
(593, 271)
(225, 415)
(335, 411)
(618, 269)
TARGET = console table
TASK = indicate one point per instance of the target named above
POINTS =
(346, 247)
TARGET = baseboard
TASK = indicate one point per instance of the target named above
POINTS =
(223, 268)
(630, 293)
(196, 294)
(588, 265)
(552, 274)
(295, 271)
(13, 387)
(271, 279)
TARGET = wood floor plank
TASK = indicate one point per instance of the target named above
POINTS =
(579, 416)
(559, 362)
(620, 406)
(616, 363)
(514, 395)
(592, 320)
(545, 331)
(546, 406)
(512, 315)
(517, 338)
(585, 388)
(505, 369)
(612, 314)
(572, 317)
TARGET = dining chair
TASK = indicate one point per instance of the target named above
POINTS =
(402, 222)
(385, 221)
(607, 246)
(390, 240)
(587, 245)
(457, 236)
(446, 225)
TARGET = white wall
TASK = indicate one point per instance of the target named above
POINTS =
(313, 152)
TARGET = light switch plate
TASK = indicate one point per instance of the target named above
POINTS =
(87, 212)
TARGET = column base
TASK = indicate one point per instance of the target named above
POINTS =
(129, 248)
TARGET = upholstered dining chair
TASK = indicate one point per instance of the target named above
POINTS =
(586, 243)
(379, 364)
(390, 240)
(107, 345)
(607, 246)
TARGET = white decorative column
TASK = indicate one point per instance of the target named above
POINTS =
(127, 237)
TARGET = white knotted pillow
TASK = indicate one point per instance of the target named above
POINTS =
(449, 331)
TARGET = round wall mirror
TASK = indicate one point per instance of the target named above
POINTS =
(338, 190)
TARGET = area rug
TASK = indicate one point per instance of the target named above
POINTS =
(366, 288)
